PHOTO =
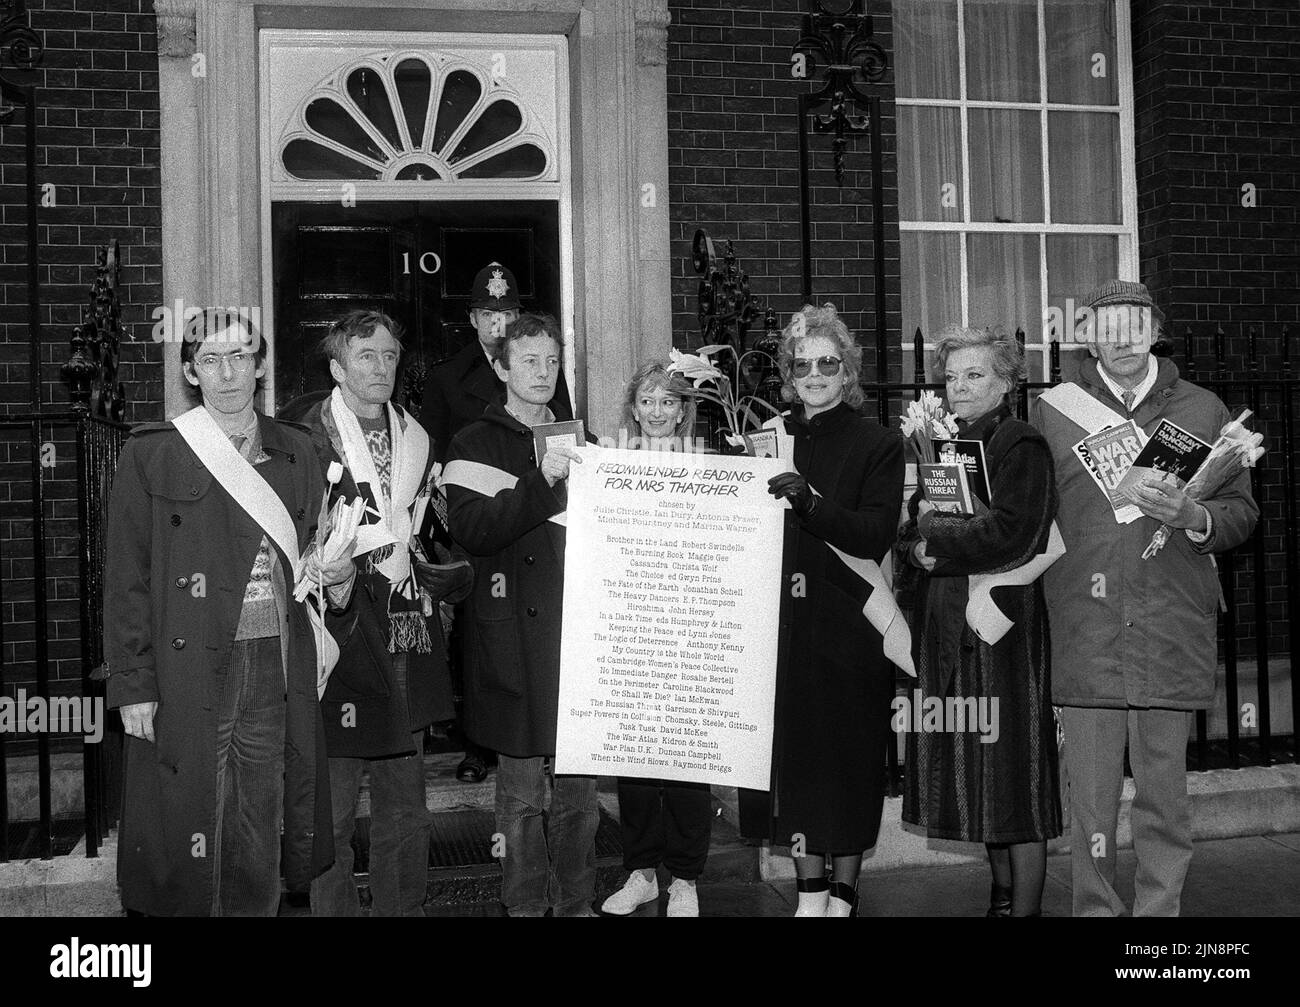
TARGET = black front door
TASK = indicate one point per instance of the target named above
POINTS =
(415, 261)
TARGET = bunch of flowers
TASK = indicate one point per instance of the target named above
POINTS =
(712, 384)
(1235, 449)
(926, 418)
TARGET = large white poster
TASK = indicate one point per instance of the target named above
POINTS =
(672, 596)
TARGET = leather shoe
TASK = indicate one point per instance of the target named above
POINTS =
(472, 769)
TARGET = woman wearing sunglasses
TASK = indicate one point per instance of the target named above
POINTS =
(663, 823)
(999, 788)
(834, 694)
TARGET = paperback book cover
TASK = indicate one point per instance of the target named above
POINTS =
(946, 486)
(548, 435)
(1171, 455)
(1107, 456)
(970, 455)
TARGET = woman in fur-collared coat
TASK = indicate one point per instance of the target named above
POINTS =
(993, 781)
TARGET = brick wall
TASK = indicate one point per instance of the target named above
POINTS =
(1216, 109)
(97, 122)
(97, 135)
(733, 156)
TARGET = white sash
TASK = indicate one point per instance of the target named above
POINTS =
(1080, 408)
(400, 511)
(881, 609)
(261, 503)
(982, 615)
(487, 480)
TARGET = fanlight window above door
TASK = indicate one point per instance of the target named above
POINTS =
(415, 116)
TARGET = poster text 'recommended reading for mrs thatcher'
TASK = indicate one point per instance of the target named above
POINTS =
(672, 597)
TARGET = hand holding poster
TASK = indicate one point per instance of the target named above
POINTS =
(672, 597)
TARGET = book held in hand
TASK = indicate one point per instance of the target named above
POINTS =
(946, 485)
(1107, 456)
(567, 433)
(970, 455)
(1172, 454)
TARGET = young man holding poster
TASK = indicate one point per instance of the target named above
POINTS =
(504, 507)
(1133, 639)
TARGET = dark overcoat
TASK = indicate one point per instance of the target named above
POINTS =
(458, 390)
(512, 636)
(1003, 787)
(366, 715)
(180, 551)
(1128, 631)
(833, 694)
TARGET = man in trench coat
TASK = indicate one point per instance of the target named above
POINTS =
(1133, 640)
(211, 662)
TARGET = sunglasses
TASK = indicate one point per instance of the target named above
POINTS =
(826, 366)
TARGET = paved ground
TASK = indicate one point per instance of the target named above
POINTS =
(1252, 876)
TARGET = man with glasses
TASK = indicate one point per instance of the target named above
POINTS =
(457, 392)
(212, 663)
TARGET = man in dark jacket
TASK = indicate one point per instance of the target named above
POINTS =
(503, 506)
(458, 391)
(1133, 639)
(211, 662)
(391, 680)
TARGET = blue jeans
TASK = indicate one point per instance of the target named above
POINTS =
(550, 858)
(250, 781)
(399, 832)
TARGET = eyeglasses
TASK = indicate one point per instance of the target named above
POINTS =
(210, 363)
(826, 366)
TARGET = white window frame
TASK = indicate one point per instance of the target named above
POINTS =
(1126, 230)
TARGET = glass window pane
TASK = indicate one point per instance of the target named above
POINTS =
(929, 163)
(925, 55)
(1076, 263)
(366, 88)
(413, 85)
(1006, 165)
(1002, 50)
(524, 161)
(330, 119)
(460, 92)
(1084, 152)
(1081, 52)
(498, 121)
(307, 159)
(931, 272)
(1004, 281)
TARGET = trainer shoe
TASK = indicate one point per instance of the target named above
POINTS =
(636, 891)
(682, 900)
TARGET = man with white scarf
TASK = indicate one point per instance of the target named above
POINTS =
(392, 679)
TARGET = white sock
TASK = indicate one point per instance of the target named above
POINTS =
(812, 904)
(837, 907)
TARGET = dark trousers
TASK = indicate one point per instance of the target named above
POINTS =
(549, 855)
(665, 822)
(399, 832)
(250, 781)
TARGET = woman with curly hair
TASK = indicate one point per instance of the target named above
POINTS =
(834, 694)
